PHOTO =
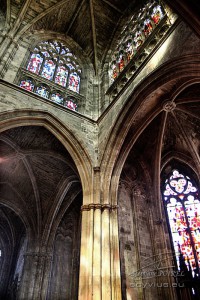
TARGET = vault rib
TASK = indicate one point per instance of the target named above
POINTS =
(94, 38)
(190, 144)
(77, 10)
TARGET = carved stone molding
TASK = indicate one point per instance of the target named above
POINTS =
(169, 106)
(100, 206)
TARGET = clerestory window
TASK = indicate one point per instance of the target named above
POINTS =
(53, 72)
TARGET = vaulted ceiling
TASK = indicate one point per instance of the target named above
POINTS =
(38, 178)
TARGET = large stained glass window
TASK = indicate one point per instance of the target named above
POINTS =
(182, 202)
(55, 62)
(135, 33)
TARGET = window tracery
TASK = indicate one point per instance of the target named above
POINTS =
(136, 32)
(54, 64)
(182, 203)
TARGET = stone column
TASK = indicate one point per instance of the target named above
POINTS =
(99, 263)
(35, 276)
(86, 263)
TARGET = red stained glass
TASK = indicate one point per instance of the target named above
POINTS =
(157, 14)
(27, 84)
(61, 76)
(71, 105)
(183, 209)
(48, 69)
(54, 61)
(35, 63)
(74, 82)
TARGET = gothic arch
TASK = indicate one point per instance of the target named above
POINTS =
(78, 154)
(147, 101)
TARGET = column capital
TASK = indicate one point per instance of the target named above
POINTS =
(100, 206)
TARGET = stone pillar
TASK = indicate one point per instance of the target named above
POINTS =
(35, 276)
(99, 263)
(85, 275)
(99, 256)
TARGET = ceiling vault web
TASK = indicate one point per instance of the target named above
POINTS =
(20, 17)
(94, 36)
(113, 6)
(188, 112)
(41, 15)
(188, 141)
(77, 10)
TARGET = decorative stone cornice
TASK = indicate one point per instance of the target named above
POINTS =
(100, 206)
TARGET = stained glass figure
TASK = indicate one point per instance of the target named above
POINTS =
(48, 69)
(71, 104)
(27, 84)
(61, 76)
(138, 39)
(74, 82)
(57, 97)
(157, 14)
(55, 62)
(183, 208)
(133, 36)
(35, 63)
(147, 27)
(129, 50)
(121, 62)
(42, 91)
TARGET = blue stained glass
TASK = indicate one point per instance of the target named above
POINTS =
(42, 91)
(74, 82)
(35, 63)
(61, 76)
(183, 208)
(48, 69)
(27, 84)
(56, 97)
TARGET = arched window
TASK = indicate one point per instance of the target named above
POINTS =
(135, 34)
(53, 72)
(55, 62)
(182, 203)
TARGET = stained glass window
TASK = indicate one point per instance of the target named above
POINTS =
(57, 97)
(135, 33)
(27, 84)
(42, 91)
(182, 204)
(35, 63)
(48, 69)
(71, 104)
(55, 62)
(74, 82)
